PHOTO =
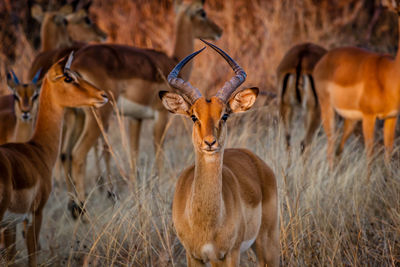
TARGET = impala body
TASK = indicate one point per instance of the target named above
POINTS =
(133, 76)
(296, 88)
(359, 85)
(227, 201)
(26, 168)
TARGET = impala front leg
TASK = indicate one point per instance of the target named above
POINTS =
(368, 124)
(388, 138)
(32, 238)
(134, 137)
(348, 128)
(159, 131)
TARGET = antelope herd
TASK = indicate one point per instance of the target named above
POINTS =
(227, 201)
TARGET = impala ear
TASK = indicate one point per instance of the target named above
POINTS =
(174, 103)
(243, 99)
(37, 13)
(12, 81)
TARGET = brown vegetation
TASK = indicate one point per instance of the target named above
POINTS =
(326, 218)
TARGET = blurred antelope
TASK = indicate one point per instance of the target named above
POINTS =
(137, 75)
(359, 85)
(62, 28)
(18, 110)
(227, 201)
(296, 88)
(25, 168)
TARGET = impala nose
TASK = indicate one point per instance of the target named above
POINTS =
(26, 115)
(210, 141)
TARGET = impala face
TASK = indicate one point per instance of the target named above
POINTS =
(25, 96)
(77, 24)
(82, 28)
(203, 27)
(209, 128)
(209, 116)
(74, 91)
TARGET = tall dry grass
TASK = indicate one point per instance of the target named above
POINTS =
(337, 218)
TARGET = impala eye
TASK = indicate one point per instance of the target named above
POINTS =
(194, 119)
(88, 21)
(16, 98)
(68, 79)
(203, 14)
(35, 97)
(225, 117)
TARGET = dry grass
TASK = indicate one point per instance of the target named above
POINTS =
(326, 218)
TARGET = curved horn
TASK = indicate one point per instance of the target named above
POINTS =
(15, 78)
(69, 61)
(37, 75)
(229, 87)
(182, 86)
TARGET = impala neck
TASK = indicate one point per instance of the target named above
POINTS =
(23, 130)
(54, 38)
(184, 43)
(47, 133)
(398, 42)
(206, 202)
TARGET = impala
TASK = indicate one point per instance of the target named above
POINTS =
(359, 85)
(26, 168)
(227, 201)
(64, 31)
(296, 87)
(137, 75)
(18, 110)
(60, 29)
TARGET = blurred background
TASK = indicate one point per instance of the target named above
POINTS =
(327, 218)
(256, 33)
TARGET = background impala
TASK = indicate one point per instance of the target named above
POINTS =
(326, 218)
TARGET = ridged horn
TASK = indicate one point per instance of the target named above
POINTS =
(191, 93)
(230, 86)
(69, 62)
(15, 78)
(37, 75)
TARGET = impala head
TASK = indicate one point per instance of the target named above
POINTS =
(62, 26)
(393, 5)
(209, 115)
(82, 28)
(70, 90)
(25, 96)
(201, 25)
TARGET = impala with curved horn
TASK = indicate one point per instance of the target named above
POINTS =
(26, 168)
(227, 201)
(18, 112)
(359, 85)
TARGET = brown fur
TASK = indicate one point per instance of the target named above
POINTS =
(295, 85)
(25, 168)
(61, 28)
(359, 85)
(228, 196)
(136, 75)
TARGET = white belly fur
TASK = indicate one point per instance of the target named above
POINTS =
(134, 110)
(349, 114)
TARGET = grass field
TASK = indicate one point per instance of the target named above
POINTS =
(327, 218)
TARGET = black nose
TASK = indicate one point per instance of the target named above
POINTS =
(25, 115)
(210, 144)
